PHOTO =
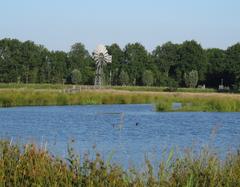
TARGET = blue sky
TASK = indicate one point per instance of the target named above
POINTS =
(57, 24)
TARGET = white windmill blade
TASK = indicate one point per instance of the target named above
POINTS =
(109, 59)
(106, 55)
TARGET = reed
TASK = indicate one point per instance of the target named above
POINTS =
(164, 89)
(204, 104)
(126, 88)
(211, 102)
(31, 165)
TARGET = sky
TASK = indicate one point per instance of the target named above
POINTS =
(58, 24)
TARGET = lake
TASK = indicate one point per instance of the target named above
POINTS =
(143, 132)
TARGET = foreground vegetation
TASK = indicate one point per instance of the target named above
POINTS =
(32, 166)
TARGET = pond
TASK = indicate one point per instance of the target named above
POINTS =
(144, 131)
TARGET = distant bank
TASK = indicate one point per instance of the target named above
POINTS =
(12, 95)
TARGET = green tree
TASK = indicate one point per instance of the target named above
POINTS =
(34, 63)
(79, 58)
(165, 57)
(136, 59)
(233, 64)
(58, 66)
(148, 78)
(114, 69)
(191, 79)
(9, 61)
(217, 68)
(190, 56)
(124, 78)
(76, 76)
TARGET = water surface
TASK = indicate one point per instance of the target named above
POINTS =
(144, 132)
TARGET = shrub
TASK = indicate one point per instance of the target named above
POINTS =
(191, 79)
(147, 78)
(124, 78)
(76, 76)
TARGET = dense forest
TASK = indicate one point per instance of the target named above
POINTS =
(178, 65)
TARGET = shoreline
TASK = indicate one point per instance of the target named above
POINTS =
(208, 102)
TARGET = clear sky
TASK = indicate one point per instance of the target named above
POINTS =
(57, 24)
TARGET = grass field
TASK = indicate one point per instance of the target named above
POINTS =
(127, 88)
(33, 166)
(45, 95)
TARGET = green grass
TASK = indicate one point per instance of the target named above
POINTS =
(29, 97)
(204, 104)
(32, 86)
(30, 165)
(193, 102)
(127, 88)
(163, 89)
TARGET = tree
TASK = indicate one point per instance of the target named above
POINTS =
(136, 58)
(169, 64)
(58, 66)
(124, 78)
(9, 61)
(76, 76)
(114, 69)
(217, 68)
(191, 79)
(147, 78)
(165, 57)
(79, 58)
(233, 64)
(190, 56)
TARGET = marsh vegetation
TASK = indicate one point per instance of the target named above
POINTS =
(30, 165)
(46, 95)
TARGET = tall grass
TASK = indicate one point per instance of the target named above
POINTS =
(32, 86)
(127, 88)
(204, 104)
(32, 166)
(163, 89)
(10, 98)
(163, 101)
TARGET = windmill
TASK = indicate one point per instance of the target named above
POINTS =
(101, 57)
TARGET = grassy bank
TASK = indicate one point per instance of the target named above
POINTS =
(206, 104)
(127, 88)
(32, 166)
(32, 86)
(164, 89)
(10, 98)
(163, 100)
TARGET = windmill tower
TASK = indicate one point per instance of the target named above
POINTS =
(102, 58)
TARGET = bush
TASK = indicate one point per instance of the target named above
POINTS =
(172, 85)
(191, 79)
(147, 78)
(124, 78)
(76, 76)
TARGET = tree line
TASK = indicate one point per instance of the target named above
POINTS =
(177, 65)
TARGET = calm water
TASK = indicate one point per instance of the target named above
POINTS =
(90, 125)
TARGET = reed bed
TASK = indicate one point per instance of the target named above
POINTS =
(11, 98)
(164, 89)
(127, 88)
(30, 165)
(205, 104)
(212, 102)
